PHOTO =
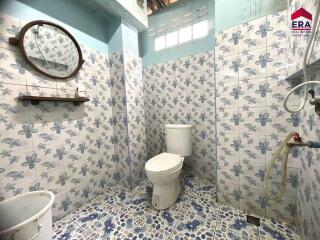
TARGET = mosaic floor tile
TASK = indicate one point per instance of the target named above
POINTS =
(117, 195)
(228, 235)
(139, 223)
(144, 189)
(98, 218)
(195, 187)
(121, 214)
(272, 229)
(66, 229)
(198, 220)
(235, 221)
(105, 228)
(156, 219)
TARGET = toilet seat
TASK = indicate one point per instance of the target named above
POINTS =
(164, 163)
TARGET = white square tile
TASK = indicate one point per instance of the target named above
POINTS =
(253, 93)
(254, 63)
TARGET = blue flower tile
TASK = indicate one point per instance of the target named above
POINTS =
(221, 234)
(272, 229)
(235, 221)
(66, 229)
(121, 214)
(195, 187)
(198, 220)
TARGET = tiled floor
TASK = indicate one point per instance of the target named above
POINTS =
(124, 215)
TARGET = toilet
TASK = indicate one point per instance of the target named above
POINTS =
(163, 170)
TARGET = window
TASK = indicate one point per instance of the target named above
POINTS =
(160, 43)
(200, 29)
(185, 34)
(172, 39)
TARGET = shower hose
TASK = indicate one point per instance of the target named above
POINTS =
(281, 153)
(306, 58)
(284, 149)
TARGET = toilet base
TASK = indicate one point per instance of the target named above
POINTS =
(164, 196)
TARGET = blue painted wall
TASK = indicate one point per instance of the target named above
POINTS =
(221, 14)
(233, 12)
(164, 16)
(94, 27)
(90, 25)
(130, 39)
(115, 43)
(125, 38)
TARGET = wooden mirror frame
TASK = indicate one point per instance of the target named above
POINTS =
(20, 43)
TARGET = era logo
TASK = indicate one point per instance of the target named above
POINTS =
(301, 22)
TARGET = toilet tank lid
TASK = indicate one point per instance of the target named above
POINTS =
(178, 126)
(164, 162)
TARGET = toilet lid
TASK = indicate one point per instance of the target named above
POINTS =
(164, 162)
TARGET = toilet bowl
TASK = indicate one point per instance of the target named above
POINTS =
(163, 171)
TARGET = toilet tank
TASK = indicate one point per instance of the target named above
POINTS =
(179, 139)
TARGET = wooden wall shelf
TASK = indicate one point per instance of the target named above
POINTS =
(36, 99)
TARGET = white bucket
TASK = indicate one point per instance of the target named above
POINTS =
(27, 216)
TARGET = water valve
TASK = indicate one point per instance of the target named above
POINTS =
(314, 101)
(296, 137)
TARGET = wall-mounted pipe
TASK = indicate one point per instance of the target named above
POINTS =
(309, 144)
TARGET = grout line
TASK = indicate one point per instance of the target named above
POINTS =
(218, 216)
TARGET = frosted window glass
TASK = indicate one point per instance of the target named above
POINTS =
(160, 43)
(172, 39)
(185, 34)
(200, 29)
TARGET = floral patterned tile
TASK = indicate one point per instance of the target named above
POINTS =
(94, 214)
(198, 220)
(122, 214)
(194, 227)
(221, 234)
(144, 190)
(104, 228)
(139, 223)
(195, 187)
(235, 221)
(137, 218)
(118, 196)
(66, 229)
(272, 229)
(168, 217)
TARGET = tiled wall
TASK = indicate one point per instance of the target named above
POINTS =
(128, 117)
(308, 199)
(182, 91)
(251, 122)
(74, 151)
(57, 146)
(135, 116)
(119, 119)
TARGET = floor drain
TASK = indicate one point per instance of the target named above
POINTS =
(253, 220)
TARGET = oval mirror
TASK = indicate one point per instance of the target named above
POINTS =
(50, 49)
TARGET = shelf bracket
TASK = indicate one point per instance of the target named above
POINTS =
(14, 41)
(34, 102)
